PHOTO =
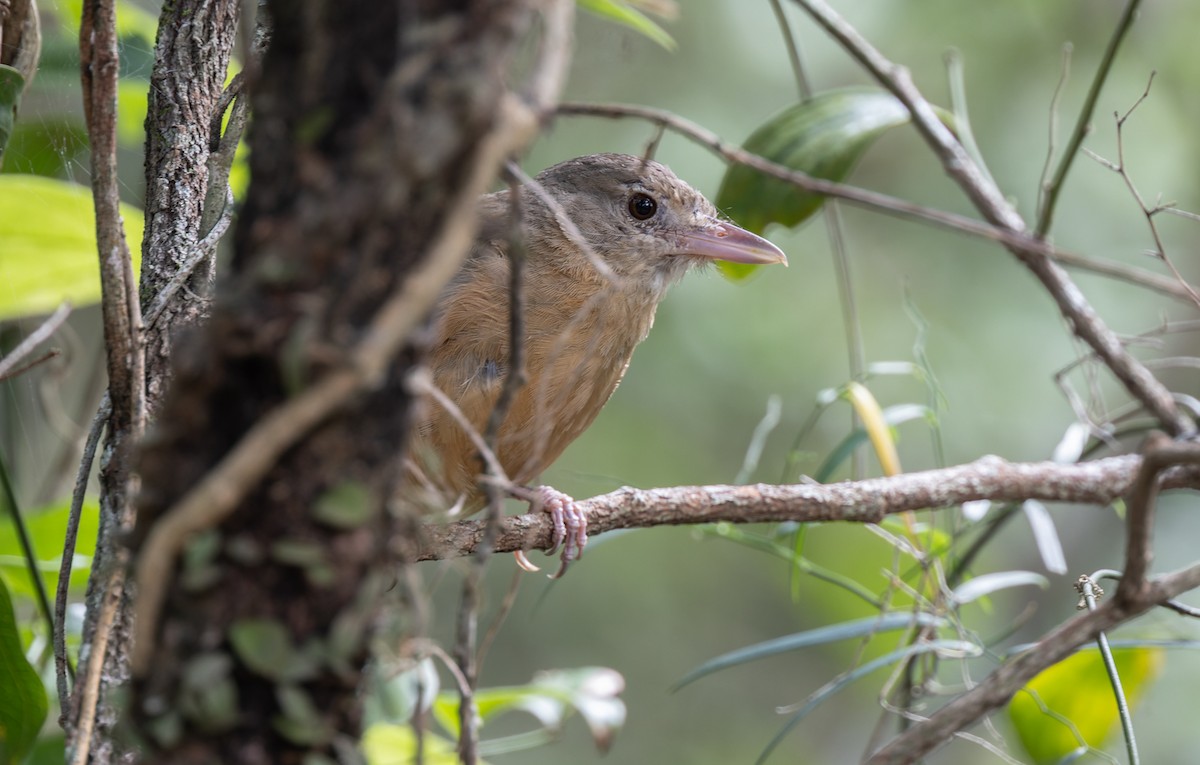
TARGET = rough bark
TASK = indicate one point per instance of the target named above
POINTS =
(191, 57)
(367, 118)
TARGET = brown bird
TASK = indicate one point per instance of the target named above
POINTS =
(590, 298)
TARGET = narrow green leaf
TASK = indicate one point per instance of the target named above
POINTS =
(48, 228)
(986, 584)
(844, 631)
(625, 14)
(23, 700)
(837, 684)
(823, 137)
(265, 647)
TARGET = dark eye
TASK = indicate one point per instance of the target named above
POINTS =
(642, 207)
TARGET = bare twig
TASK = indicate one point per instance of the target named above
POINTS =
(1121, 168)
(1084, 123)
(90, 698)
(34, 339)
(125, 355)
(1159, 453)
(869, 501)
(61, 664)
(1064, 74)
(1082, 318)
(889, 205)
(514, 378)
(1091, 592)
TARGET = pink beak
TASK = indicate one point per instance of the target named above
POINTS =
(724, 241)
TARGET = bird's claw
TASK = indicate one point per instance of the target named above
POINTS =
(570, 526)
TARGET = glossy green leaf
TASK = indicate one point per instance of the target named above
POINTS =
(23, 700)
(48, 228)
(823, 137)
(858, 628)
(626, 14)
(1074, 704)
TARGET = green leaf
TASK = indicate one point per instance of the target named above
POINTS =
(265, 647)
(12, 84)
(48, 228)
(46, 146)
(132, 21)
(345, 506)
(47, 528)
(1071, 704)
(824, 137)
(23, 700)
(132, 103)
(387, 744)
(858, 628)
(624, 13)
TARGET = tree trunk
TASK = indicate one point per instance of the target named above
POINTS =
(368, 119)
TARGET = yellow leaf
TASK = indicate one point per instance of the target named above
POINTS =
(1077, 692)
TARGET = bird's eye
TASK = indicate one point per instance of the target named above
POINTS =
(642, 206)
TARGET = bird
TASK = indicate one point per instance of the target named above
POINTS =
(604, 236)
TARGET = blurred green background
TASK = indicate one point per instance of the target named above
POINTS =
(653, 604)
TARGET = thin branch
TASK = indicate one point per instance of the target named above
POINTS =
(35, 338)
(1099, 482)
(1160, 453)
(1082, 318)
(514, 378)
(1090, 592)
(1084, 123)
(1000, 686)
(62, 664)
(90, 697)
(1064, 74)
(883, 203)
(1121, 168)
(1135, 595)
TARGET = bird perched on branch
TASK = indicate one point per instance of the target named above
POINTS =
(603, 236)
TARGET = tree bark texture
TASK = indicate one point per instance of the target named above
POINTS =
(366, 120)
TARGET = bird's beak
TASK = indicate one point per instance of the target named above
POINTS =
(724, 241)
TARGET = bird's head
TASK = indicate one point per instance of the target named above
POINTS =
(645, 223)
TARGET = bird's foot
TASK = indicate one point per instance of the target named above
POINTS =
(570, 527)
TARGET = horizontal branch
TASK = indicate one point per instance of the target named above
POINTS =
(1098, 482)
